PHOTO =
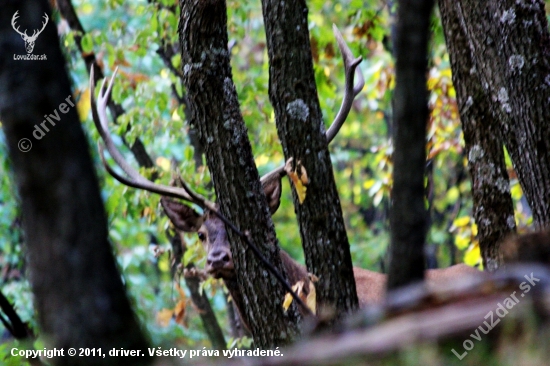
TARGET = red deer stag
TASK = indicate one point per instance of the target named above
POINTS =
(211, 229)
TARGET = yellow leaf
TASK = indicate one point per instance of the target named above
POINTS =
(179, 312)
(176, 116)
(179, 309)
(164, 316)
(462, 242)
(452, 92)
(163, 163)
(262, 159)
(83, 105)
(452, 194)
(368, 183)
(297, 288)
(164, 264)
(301, 190)
(473, 255)
(432, 82)
(180, 291)
(516, 191)
(474, 229)
(299, 179)
(311, 300)
(446, 72)
(288, 301)
(461, 221)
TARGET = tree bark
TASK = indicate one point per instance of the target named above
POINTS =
(508, 42)
(79, 296)
(408, 216)
(214, 108)
(293, 93)
(493, 207)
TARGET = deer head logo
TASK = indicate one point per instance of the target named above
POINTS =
(29, 40)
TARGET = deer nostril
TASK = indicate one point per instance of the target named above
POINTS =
(218, 259)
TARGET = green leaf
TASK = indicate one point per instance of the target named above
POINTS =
(87, 43)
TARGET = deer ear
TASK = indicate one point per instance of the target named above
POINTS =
(272, 191)
(182, 216)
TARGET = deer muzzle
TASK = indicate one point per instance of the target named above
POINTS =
(219, 263)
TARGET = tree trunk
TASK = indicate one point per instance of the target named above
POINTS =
(493, 206)
(199, 298)
(408, 217)
(508, 43)
(293, 93)
(67, 11)
(79, 296)
(213, 107)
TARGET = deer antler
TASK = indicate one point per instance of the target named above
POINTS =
(13, 19)
(350, 92)
(135, 179)
(24, 34)
(36, 31)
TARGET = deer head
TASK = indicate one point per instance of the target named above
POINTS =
(209, 226)
(29, 40)
(211, 230)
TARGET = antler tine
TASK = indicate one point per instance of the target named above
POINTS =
(350, 92)
(44, 23)
(13, 23)
(135, 180)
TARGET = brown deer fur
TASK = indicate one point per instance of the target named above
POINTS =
(211, 231)
(532, 247)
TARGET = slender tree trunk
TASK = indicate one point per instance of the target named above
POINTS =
(214, 108)
(408, 217)
(199, 298)
(67, 11)
(509, 43)
(79, 296)
(493, 207)
(293, 93)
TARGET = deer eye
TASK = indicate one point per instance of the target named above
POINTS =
(201, 236)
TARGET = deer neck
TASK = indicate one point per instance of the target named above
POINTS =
(237, 298)
(295, 272)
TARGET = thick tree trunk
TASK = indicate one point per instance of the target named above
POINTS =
(408, 217)
(79, 296)
(493, 207)
(508, 43)
(214, 108)
(293, 93)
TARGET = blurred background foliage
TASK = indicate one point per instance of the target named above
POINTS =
(127, 34)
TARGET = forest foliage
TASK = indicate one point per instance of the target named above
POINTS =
(127, 35)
